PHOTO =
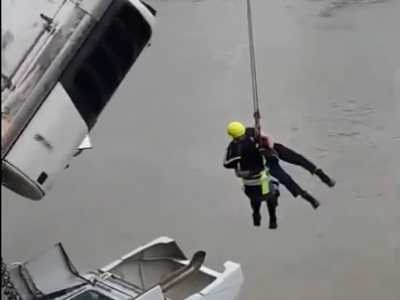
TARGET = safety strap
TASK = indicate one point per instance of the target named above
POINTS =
(263, 181)
(263, 176)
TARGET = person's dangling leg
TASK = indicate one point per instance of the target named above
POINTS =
(284, 178)
(290, 156)
(272, 203)
(291, 185)
(253, 193)
(256, 206)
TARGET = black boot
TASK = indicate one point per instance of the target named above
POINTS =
(257, 219)
(325, 178)
(309, 198)
(272, 204)
(273, 223)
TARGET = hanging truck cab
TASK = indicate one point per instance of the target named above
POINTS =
(60, 67)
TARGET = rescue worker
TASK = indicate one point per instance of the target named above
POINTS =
(258, 184)
(244, 138)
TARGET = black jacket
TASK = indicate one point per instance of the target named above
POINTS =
(244, 154)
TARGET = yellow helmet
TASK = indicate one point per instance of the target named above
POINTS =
(236, 129)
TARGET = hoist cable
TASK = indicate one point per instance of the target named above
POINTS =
(256, 105)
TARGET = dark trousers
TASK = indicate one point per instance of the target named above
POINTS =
(288, 155)
(256, 199)
(285, 179)
(294, 158)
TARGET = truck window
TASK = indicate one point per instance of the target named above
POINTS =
(91, 295)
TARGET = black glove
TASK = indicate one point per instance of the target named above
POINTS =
(270, 155)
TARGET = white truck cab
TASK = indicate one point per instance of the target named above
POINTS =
(62, 61)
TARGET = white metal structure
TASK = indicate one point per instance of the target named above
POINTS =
(62, 60)
(156, 271)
